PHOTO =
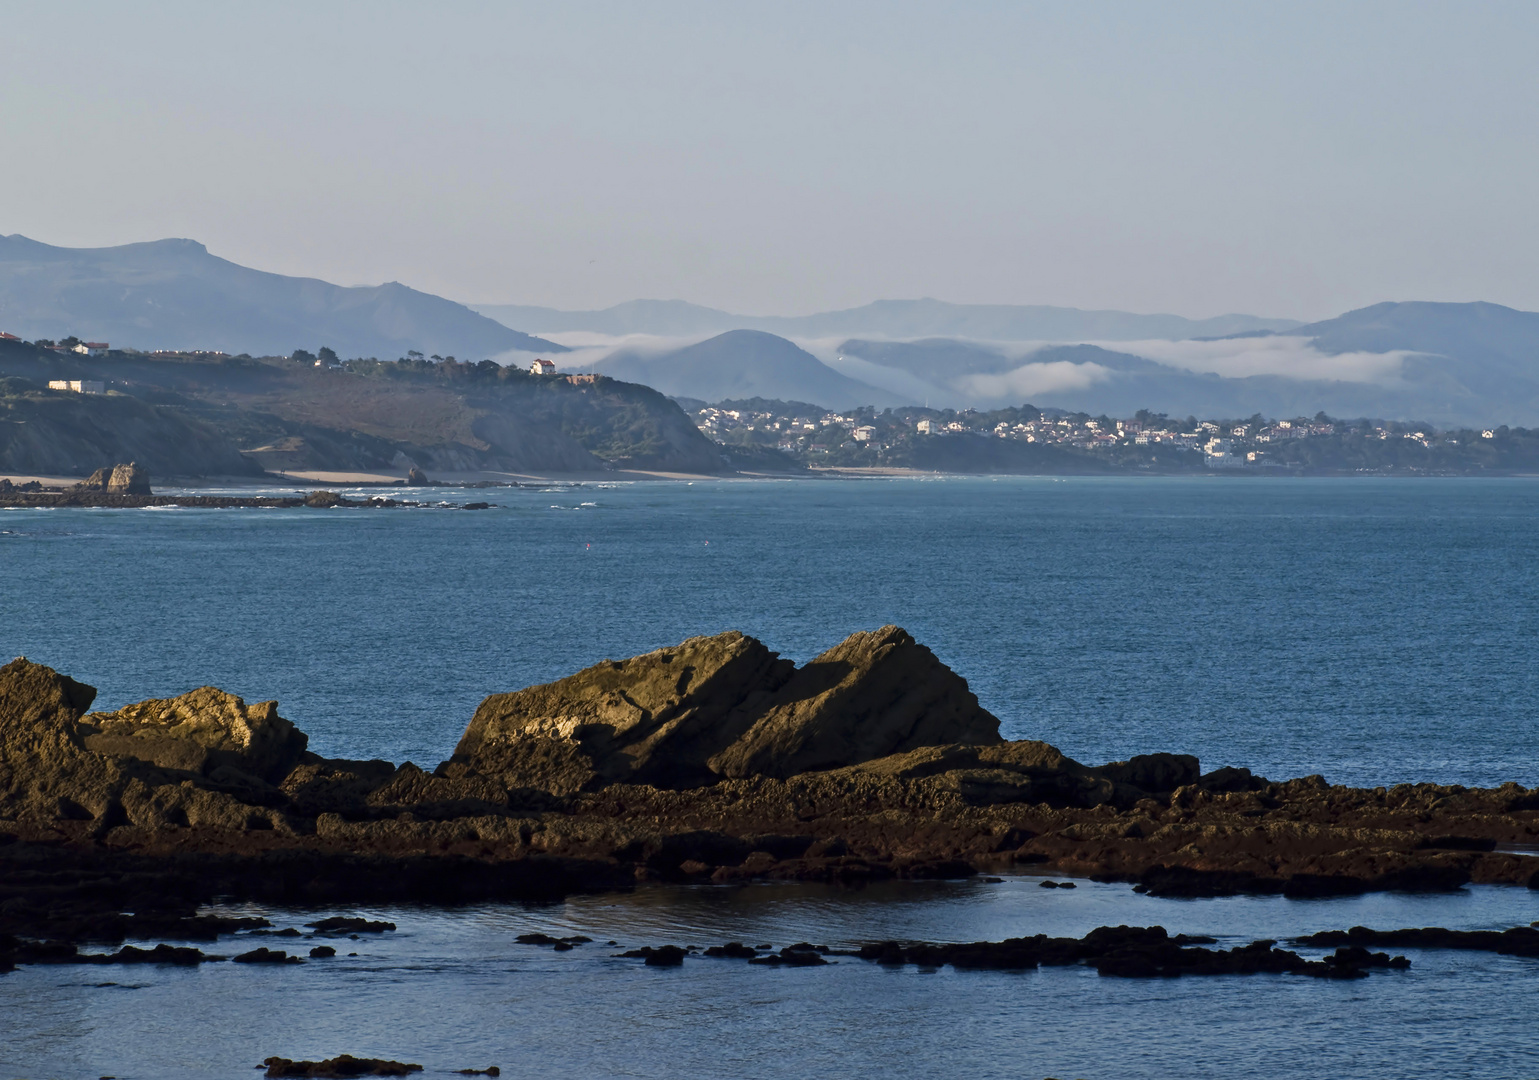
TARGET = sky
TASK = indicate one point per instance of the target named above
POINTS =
(1285, 160)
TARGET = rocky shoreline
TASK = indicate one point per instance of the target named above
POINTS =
(323, 500)
(711, 761)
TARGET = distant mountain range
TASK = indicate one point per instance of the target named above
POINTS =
(1472, 364)
(1442, 363)
(891, 318)
(172, 294)
(743, 364)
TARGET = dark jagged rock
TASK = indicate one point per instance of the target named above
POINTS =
(1517, 941)
(344, 1065)
(350, 924)
(732, 950)
(161, 954)
(799, 955)
(267, 956)
(1131, 952)
(1187, 882)
(661, 956)
(564, 944)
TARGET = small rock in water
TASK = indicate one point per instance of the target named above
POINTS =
(267, 956)
(732, 950)
(323, 951)
(802, 954)
(490, 1070)
(349, 924)
(662, 956)
(343, 1065)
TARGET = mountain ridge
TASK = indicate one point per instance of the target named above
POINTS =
(899, 318)
(175, 294)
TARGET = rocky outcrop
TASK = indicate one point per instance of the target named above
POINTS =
(611, 777)
(656, 719)
(874, 694)
(130, 479)
(723, 706)
(45, 770)
(204, 731)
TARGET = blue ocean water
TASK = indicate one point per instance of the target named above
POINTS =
(1371, 630)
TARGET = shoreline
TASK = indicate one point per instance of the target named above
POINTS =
(311, 481)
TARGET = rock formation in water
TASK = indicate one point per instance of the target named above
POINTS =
(711, 760)
(130, 479)
(722, 706)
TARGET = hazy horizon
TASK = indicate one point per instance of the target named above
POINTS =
(1196, 159)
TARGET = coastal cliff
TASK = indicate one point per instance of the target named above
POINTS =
(712, 760)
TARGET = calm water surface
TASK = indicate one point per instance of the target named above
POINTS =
(1371, 630)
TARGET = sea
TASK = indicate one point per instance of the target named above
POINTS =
(1374, 631)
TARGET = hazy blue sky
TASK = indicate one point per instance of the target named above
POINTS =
(1280, 159)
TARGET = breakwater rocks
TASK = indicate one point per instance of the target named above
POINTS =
(714, 760)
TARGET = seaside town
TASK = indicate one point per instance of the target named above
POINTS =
(901, 436)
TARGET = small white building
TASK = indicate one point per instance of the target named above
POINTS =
(925, 427)
(92, 348)
(78, 386)
(542, 367)
(863, 434)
